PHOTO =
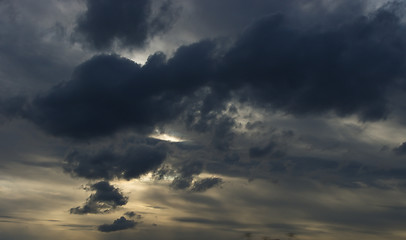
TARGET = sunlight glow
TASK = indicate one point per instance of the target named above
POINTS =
(166, 137)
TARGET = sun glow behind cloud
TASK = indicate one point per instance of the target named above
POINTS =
(167, 137)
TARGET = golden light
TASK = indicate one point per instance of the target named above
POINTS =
(167, 137)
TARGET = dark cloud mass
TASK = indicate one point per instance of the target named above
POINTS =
(118, 224)
(108, 164)
(127, 21)
(106, 198)
(109, 93)
(345, 69)
(293, 109)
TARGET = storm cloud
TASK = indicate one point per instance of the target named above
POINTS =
(344, 69)
(195, 111)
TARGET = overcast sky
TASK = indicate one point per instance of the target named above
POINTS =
(202, 119)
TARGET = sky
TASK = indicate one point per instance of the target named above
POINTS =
(214, 119)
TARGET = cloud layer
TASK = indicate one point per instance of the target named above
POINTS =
(344, 69)
(289, 112)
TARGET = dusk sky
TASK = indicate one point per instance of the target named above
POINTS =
(202, 119)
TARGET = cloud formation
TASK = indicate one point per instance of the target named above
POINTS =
(109, 93)
(205, 184)
(344, 69)
(106, 199)
(109, 164)
(118, 225)
(130, 23)
(276, 104)
(186, 173)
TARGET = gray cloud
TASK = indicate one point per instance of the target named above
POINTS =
(313, 60)
(180, 183)
(205, 184)
(35, 56)
(118, 225)
(299, 71)
(131, 23)
(109, 164)
(186, 173)
(106, 199)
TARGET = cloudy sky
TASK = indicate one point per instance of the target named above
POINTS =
(191, 119)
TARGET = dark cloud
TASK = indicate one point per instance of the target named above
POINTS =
(118, 225)
(400, 150)
(131, 23)
(186, 178)
(186, 174)
(345, 69)
(180, 182)
(205, 184)
(108, 164)
(94, 102)
(109, 93)
(341, 67)
(106, 198)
